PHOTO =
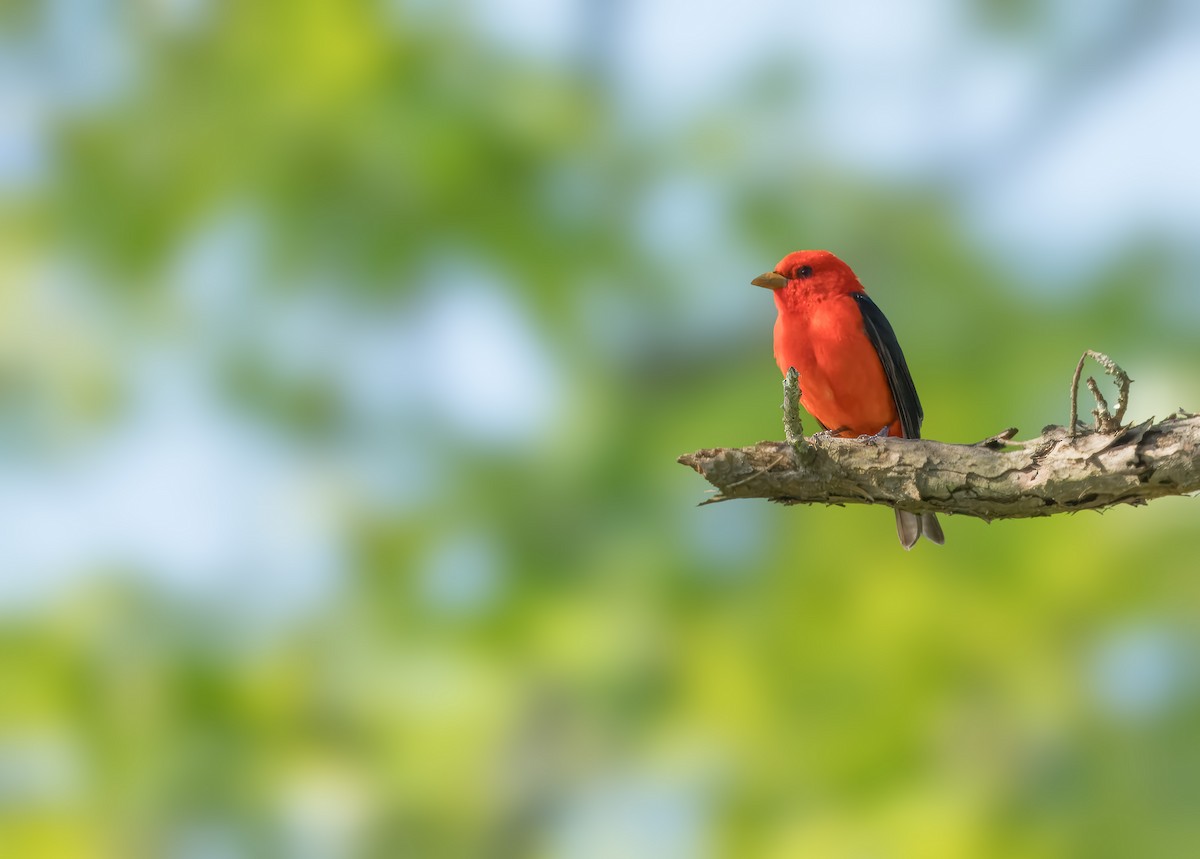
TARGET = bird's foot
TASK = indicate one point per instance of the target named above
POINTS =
(883, 433)
(826, 434)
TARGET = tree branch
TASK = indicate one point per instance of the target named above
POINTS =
(1059, 471)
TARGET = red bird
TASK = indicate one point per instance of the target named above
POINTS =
(853, 377)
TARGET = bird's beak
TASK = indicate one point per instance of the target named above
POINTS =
(771, 280)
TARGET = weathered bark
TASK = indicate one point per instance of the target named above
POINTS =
(1056, 472)
(1049, 474)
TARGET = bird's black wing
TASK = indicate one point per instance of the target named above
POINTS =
(883, 338)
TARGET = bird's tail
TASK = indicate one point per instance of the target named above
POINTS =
(910, 527)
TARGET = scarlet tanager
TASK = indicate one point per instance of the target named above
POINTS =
(853, 377)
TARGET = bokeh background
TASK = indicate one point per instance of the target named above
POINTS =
(345, 353)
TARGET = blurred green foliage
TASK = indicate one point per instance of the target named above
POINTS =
(421, 283)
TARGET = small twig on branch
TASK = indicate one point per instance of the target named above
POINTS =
(793, 427)
(1104, 421)
(999, 440)
(1063, 470)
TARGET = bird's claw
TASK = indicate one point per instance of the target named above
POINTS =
(883, 433)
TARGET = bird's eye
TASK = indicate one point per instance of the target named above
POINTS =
(803, 272)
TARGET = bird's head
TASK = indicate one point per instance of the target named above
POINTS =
(803, 273)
